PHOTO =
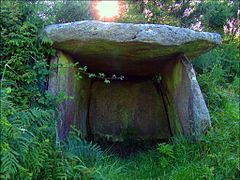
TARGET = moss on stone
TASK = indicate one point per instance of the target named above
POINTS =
(174, 119)
(174, 79)
(126, 116)
(124, 50)
(128, 110)
(74, 109)
(128, 58)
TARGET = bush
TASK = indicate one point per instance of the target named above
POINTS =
(218, 72)
(225, 55)
(70, 11)
(26, 139)
(30, 148)
(216, 13)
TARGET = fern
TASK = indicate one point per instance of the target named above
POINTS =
(28, 148)
(88, 152)
(55, 166)
(24, 148)
(9, 162)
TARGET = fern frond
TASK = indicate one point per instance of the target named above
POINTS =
(9, 162)
(89, 153)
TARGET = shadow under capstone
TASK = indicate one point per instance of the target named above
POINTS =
(136, 110)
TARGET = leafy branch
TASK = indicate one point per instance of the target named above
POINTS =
(83, 71)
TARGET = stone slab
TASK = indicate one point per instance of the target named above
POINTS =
(74, 110)
(127, 110)
(187, 111)
(127, 48)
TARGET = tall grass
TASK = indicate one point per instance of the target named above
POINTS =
(216, 154)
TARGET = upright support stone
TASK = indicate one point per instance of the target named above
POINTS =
(127, 110)
(199, 111)
(74, 110)
(187, 111)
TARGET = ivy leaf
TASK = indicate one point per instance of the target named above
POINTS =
(90, 75)
(83, 68)
(106, 81)
(102, 75)
(8, 90)
(78, 76)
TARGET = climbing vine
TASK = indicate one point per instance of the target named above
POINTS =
(24, 51)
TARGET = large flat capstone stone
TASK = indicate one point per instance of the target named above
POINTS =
(127, 48)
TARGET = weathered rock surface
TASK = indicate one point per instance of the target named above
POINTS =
(187, 111)
(126, 48)
(73, 111)
(134, 108)
(127, 110)
(198, 111)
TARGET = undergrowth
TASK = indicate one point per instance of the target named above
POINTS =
(29, 145)
(215, 156)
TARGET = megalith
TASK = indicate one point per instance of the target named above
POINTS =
(63, 80)
(125, 109)
(186, 108)
(159, 96)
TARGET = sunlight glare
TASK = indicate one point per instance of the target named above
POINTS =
(106, 10)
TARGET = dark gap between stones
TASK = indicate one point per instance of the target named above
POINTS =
(129, 146)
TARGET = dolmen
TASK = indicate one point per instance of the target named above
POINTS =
(159, 96)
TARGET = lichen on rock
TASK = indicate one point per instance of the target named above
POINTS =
(131, 109)
(127, 48)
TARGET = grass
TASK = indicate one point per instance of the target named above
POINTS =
(215, 156)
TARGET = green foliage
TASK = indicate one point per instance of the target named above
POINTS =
(29, 146)
(106, 79)
(210, 15)
(218, 69)
(216, 13)
(26, 132)
(166, 154)
(134, 13)
(25, 52)
(70, 11)
(151, 12)
(86, 151)
(210, 83)
(215, 156)
(225, 55)
(25, 137)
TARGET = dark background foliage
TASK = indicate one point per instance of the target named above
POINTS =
(30, 147)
